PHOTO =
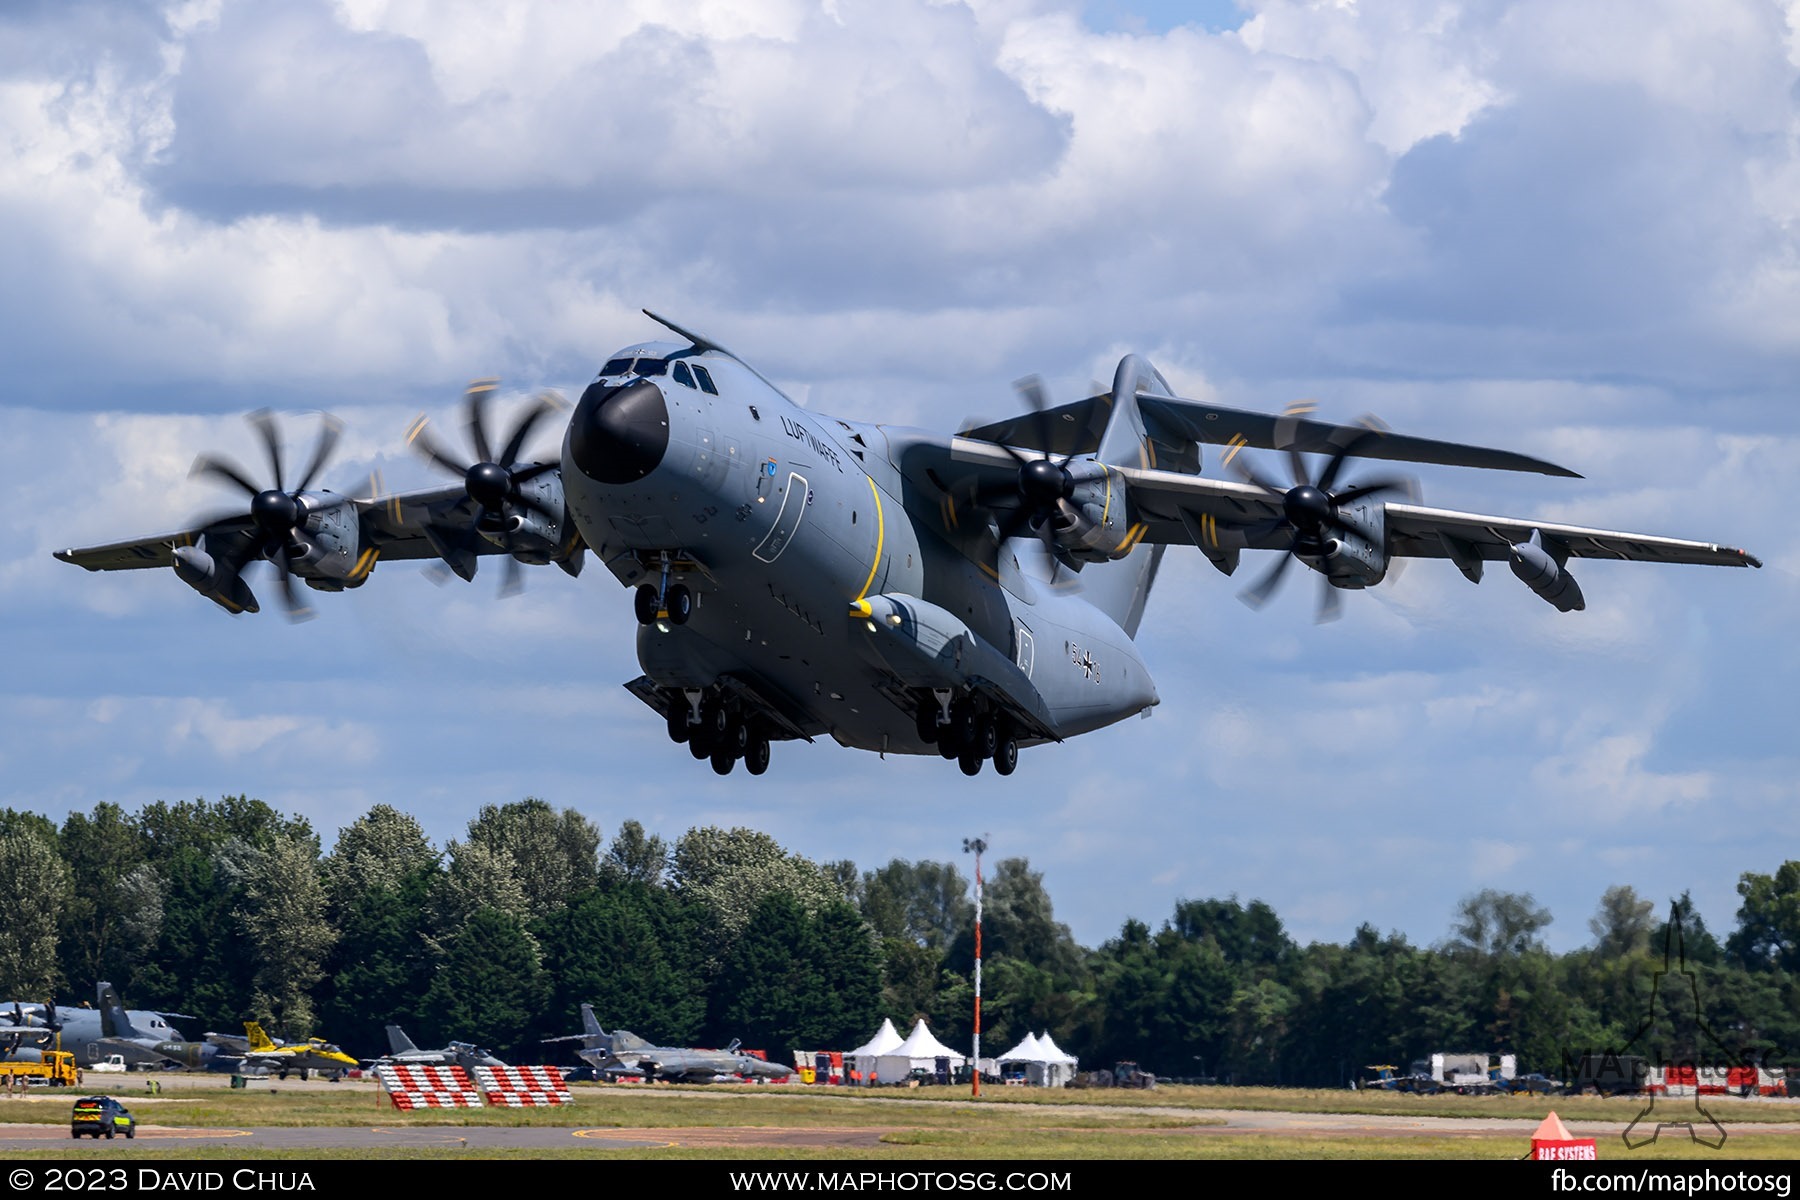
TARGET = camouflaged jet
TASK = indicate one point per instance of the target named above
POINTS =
(903, 591)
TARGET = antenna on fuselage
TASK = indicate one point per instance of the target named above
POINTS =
(704, 344)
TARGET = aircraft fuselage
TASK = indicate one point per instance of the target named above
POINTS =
(789, 529)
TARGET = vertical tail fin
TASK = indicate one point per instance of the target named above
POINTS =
(113, 1021)
(398, 1042)
(590, 1024)
(1120, 589)
(259, 1041)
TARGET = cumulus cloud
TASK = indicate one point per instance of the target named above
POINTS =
(1569, 230)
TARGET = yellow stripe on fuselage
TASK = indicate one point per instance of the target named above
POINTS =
(880, 542)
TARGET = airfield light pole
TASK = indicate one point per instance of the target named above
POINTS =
(975, 846)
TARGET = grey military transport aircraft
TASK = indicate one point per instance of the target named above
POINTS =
(899, 590)
(622, 1052)
(143, 1038)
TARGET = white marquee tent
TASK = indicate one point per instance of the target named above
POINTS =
(862, 1059)
(919, 1049)
(1040, 1061)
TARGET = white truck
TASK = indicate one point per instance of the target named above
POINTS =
(114, 1063)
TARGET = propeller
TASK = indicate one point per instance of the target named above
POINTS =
(276, 512)
(492, 478)
(1029, 500)
(1309, 507)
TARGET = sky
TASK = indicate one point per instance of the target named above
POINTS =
(1568, 230)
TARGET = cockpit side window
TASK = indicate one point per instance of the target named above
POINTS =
(683, 376)
(616, 366)
(705, 378)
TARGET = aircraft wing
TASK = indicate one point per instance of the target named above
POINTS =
(1178, 425)
(1220, 515)
(396, 527)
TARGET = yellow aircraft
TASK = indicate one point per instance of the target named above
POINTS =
(258, 1049)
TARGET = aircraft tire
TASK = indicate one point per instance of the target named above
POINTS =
(927, 721)
(947, 745)
(644, 604)
(987, 739)
(678, 721)
(699, 745)
(970, 762)
(1006, 756)
(756, 755)
(680, 603)
(723, 760)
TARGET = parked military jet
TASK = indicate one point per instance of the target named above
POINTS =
(624, 1053)
(257, 1050)
(466, 1055)
(899, 590)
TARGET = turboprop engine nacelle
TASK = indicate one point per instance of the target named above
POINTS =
(1093, 523)
(1538, 567)
(213, 579)
(1356, 557)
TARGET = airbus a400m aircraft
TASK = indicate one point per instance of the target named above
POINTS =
(900, 590)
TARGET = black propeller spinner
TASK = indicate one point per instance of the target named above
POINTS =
(1310, 509)
(492, 480)
(1032, 498)
(278, 513)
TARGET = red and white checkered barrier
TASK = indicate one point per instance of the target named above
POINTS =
(410, 1087)
(522, 1087)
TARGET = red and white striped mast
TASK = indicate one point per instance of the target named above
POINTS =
(975, 846)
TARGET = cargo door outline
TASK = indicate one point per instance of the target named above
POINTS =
(787, 521)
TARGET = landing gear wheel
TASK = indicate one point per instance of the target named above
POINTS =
(699, 743)
(678, 721)
(1006, 755)
(723, 760)
(946, 745)
(644, 604)
(737, 735)
(963, 725)
(970, 762)
(927, 722)
(756, 754)
(680, 603)
(986, 741)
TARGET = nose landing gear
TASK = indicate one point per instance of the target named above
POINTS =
(656, 603)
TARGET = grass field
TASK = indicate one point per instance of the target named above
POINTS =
(927, 1123)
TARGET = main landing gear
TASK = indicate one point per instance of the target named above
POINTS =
(964, 729)
(716, 728)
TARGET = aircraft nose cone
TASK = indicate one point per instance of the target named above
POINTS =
(619, 434)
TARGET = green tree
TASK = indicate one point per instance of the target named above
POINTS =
(926, 903)
(1622, 924)
(634, 856)
(490, 986)
(380, 969)
(1768, 932)
(1490, 924)
(37, 880)
(380, 849)
(555, 855)
(112, 915)
(632, 952)
(283, 912)
(730, 872)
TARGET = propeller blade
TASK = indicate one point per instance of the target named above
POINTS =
(421, 440)
(1258, 593)
(1394, 484)
(541, 407)
(223, 469)
(1331, 606)
(298, 610)
(264, 421)
(1246, 470)
(513, 582)
(475, 406)
(329, 431)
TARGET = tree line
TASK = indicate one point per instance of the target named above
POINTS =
(231, 911)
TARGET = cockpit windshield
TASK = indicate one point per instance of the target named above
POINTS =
(640, 366)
